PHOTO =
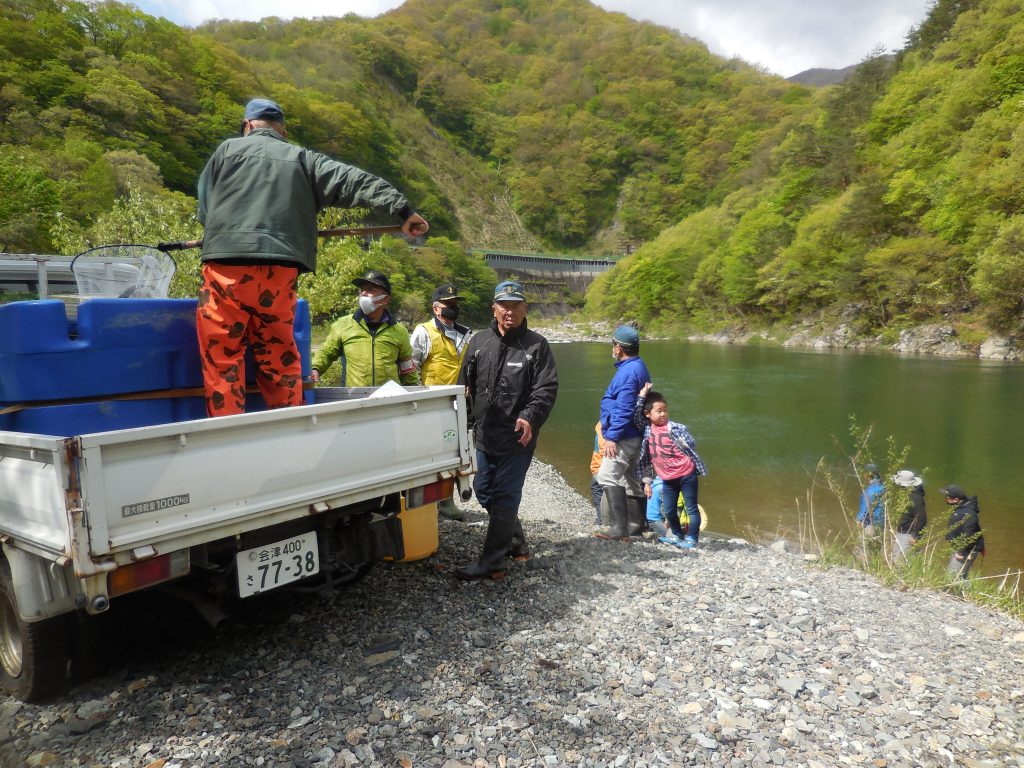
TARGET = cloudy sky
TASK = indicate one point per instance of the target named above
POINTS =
(785, 36)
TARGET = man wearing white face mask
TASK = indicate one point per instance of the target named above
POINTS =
(373, 347)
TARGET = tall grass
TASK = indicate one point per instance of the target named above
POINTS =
(925, 566)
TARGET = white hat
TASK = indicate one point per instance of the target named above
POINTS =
(906, 479)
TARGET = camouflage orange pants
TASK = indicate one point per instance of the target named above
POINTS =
(255, 306)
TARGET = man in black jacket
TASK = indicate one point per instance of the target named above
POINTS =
(963, 530)
(511, 383)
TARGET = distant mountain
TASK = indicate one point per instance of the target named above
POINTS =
(818, 77)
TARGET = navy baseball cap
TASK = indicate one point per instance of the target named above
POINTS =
(509, 290)
(373, 277)
(445, 293)
(953, 492)
(264, 109)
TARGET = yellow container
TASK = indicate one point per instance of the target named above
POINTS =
(419, 531)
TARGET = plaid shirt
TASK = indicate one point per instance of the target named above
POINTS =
(680, 436)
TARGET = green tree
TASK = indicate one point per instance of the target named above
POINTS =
(999, 278)
(29, 207)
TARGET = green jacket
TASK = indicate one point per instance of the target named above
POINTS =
(368, 359)
(259, 196)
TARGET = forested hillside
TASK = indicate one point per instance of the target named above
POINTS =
(893, 198)
(898, 200)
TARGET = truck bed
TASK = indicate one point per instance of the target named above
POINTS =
(97, 499)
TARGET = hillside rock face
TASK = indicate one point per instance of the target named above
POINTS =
(1000, 348)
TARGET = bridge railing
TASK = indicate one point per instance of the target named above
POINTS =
(36, 273)
(506, 260)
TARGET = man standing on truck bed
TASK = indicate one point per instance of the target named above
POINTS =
(373, 347)
(511, 384)
(438, 348)
(258, 201)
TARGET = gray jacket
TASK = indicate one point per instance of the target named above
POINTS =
(259, 196)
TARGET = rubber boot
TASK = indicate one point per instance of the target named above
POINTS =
(501, 529)
(617, 514)
(447, 508)
(636, 515)
(519, 550)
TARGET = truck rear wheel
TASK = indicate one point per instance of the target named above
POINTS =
(33, 655)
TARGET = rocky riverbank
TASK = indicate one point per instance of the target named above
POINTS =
(591, 654)
(939, 339)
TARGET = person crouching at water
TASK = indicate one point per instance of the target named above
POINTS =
(963, 530)
(670, 448)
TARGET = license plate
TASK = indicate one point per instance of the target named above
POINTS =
(274, 565)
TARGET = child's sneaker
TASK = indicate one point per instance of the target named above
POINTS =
(670, 538)
(688, 542)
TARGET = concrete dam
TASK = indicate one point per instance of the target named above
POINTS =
(555, 285)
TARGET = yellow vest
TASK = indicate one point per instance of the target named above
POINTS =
(444, 361)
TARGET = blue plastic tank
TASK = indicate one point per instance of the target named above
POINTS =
(114, 347)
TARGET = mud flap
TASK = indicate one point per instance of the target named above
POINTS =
(370, 539)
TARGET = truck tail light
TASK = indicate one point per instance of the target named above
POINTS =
(144, 573)
(427, 494)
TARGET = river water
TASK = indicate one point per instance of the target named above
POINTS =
(765, 417)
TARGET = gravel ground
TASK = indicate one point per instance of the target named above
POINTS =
(593, 654)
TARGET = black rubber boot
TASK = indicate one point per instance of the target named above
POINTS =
(501, 529)
(519, 550)
(636, 515)
(617, 513)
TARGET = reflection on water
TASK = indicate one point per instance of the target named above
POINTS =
(764, 417)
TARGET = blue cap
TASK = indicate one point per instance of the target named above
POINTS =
(509, 290)
(264, 109)
(627, 336)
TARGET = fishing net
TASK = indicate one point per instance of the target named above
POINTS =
(123, 271)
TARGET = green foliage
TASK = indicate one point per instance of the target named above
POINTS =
(414, 274)
(999, 279)
(899, 191)
(757, 236)
(903, 281)
(329, 290)
(811, 272)
(742, 197)
(29, 203)
(937, 27)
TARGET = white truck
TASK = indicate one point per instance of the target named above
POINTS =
(224, 508)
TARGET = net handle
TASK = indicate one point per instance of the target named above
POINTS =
(325, 233)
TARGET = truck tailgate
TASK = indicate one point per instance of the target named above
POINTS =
(176, 485)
